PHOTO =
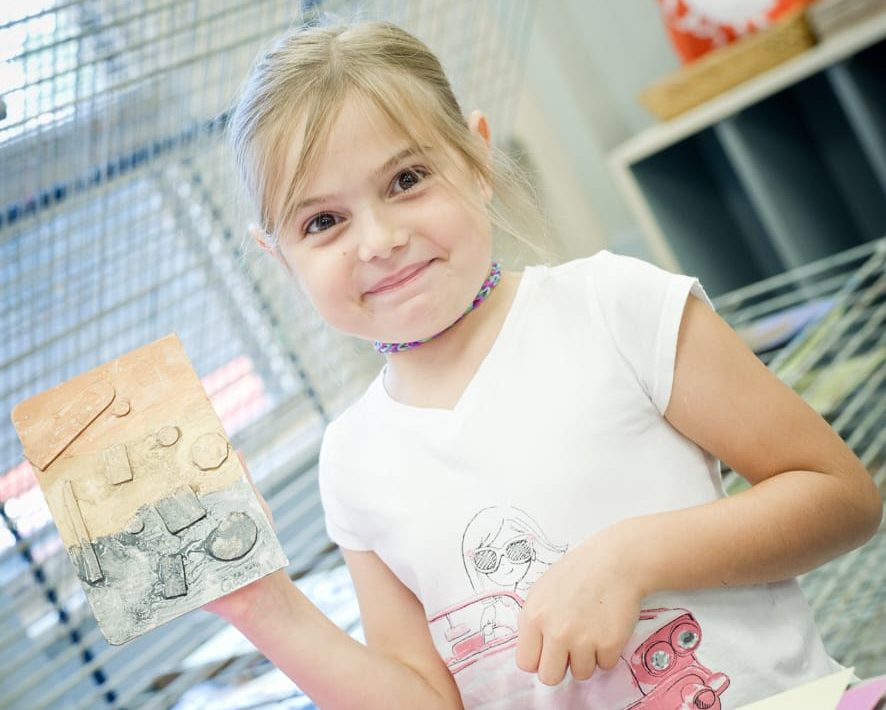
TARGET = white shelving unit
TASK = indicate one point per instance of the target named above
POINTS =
(784, 169)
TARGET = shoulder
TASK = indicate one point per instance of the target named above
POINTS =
(568, 276)
(576, 268)
(617, 281)
(602, 266)
(602, 279)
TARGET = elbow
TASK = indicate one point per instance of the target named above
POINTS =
(869, 511)
(876, 514)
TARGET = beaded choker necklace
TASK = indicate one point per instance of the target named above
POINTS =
(490, 283)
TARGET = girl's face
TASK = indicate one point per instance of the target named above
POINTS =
(383, 247)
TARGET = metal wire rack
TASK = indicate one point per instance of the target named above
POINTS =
(820, 328)
(119, 223)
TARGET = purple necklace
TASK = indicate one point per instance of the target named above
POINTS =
(490, 283)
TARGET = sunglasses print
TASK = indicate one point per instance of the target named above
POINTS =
(488, 559)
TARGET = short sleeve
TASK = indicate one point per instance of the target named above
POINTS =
(643, 305)
(332, 479)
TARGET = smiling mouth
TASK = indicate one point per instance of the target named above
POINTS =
(400, 279)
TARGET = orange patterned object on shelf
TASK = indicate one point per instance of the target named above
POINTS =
(696, 27)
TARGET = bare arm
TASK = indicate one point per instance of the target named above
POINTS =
(811, 498)
(398, 668)
(328, 665)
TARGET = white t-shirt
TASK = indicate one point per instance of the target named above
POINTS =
(559, 434)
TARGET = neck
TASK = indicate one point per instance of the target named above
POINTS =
(431, 374)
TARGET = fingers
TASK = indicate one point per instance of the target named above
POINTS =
(582, 663)
(553, 663)
(607, 657)
(549, 654)
(543, 655)
(550, 659)
(528, 647)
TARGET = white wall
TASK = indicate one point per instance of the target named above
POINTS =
(587, 62)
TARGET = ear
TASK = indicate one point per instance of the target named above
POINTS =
(479, 126)
(261, 238)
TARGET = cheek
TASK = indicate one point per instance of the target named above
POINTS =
(328, 282)
(320, 278)
(452, 222)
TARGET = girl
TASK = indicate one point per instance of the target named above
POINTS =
(595, 397)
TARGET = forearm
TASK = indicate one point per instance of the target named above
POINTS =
(781, 527)
(335, 670)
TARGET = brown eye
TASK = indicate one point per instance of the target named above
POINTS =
(407, 179)
(321, 223)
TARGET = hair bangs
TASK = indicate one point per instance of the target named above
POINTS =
(314, 121)
(436, 132)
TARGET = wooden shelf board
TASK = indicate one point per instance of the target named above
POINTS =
(830, 51)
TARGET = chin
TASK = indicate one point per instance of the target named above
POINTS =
(404, 338)
(421, 329)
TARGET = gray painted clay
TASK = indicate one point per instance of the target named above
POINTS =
(172, 575)
(181, 510)
(233, 538)
(133, 595)
(88, 567)
(98, 456)
(135, 526)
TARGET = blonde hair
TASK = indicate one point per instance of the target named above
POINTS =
(304, 80)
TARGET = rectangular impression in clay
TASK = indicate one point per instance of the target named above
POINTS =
(150, 500)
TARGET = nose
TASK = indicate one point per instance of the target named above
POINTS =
(379, 234)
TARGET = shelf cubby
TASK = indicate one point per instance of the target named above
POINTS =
(778, 172)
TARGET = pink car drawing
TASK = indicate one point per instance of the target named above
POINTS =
(664, 666)
(658, 669)
(469, 634)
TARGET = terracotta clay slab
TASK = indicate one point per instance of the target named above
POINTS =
(151, 502)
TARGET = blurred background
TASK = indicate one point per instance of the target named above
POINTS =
(757, 163)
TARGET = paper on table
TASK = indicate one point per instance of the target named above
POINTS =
(821, 694)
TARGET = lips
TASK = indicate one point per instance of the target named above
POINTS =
(400, 278)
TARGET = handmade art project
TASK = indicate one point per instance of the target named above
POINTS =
(150, 499)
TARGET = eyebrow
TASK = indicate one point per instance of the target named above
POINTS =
(389, 163)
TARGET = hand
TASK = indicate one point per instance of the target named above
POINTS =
(236, 604)
(581, 611)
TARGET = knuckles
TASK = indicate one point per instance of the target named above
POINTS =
(560, 633)
(597, 641)
(532, 617)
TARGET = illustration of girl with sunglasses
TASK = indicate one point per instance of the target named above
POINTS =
(504, 548)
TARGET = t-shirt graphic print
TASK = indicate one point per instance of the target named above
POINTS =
(504, 551)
